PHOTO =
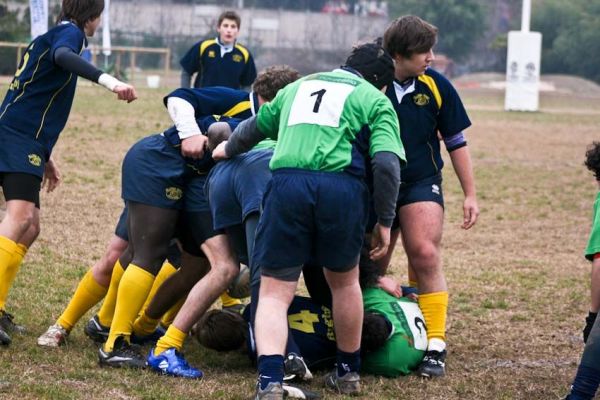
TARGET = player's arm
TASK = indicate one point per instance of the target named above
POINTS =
(190, 63)
(244, 137)
(68, 60)
(186, 79)
(52, 177)
(461, 162)
(386, 183)
(183, 114)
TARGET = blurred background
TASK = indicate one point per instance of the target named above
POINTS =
(314, 35)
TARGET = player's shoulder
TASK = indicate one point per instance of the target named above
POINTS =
(431, 75)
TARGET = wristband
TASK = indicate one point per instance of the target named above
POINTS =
(109, 82)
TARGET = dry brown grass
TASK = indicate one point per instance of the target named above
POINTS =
(518, 282)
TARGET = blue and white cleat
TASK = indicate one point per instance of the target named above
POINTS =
(171, 362)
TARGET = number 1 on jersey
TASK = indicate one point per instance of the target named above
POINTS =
(320, 94)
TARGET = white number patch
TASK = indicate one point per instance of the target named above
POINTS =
(319, 102)
(416, 322)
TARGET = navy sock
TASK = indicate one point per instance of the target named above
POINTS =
(270, 369)
(347, 362)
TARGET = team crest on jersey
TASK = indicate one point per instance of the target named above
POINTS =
(421, 99)
(35, 160)
(212, 54)
(173, 193)
(236, 58)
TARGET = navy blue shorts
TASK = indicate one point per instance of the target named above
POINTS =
(310, 215)
(428, 189)
(194, 198)
(121, 228)
(20, 153)
(236, 187)
(153, 174)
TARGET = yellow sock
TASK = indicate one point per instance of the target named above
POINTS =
(133, 291)
(144, 325)
(165, 272)
(170, 315)
(435, 307)
(8, 267)
(107, 310)
(229, 301)
(88, 294)
(173, 338)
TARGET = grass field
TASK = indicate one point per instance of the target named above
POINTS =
(518, 281)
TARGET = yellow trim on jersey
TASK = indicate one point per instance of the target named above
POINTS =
(205, 44)
(26, 83)
(433, 87)
(238, 108)
(50, 103)
(244, 52)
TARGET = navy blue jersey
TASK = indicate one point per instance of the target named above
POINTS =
(311, 326)
(234, 69)
(434, 106)
(214, 101)
(40, 96)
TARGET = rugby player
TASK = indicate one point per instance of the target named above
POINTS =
(31, 121)
(427, 104)
(325, 124)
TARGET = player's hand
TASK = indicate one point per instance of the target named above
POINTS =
(380, 242)
(194, 146)
(51, 177)
(125, 92)
(219, 152)
(390, 285)
(470, 212)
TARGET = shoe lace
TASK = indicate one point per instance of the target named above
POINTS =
(181, 360)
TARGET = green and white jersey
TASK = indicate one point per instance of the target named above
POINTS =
(329, 122)
(405, 348)
(593, 245)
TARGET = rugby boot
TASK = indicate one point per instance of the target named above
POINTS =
(55, 336)
(349, 384)
(295, 368)
(433, 364)
(122, 355)
(171, 362)
(4, 338)
(8, 325)
(95, 330)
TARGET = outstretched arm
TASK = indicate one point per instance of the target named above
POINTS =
(65, 58)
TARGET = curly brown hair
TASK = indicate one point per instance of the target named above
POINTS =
(273, 78)
(592, 159)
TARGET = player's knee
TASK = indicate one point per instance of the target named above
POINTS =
(425, 256)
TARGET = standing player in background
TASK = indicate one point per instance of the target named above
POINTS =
(427, 104)
(587, 380)
(592, 251)
(32, 115)
(325, 124)
(220, 61)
